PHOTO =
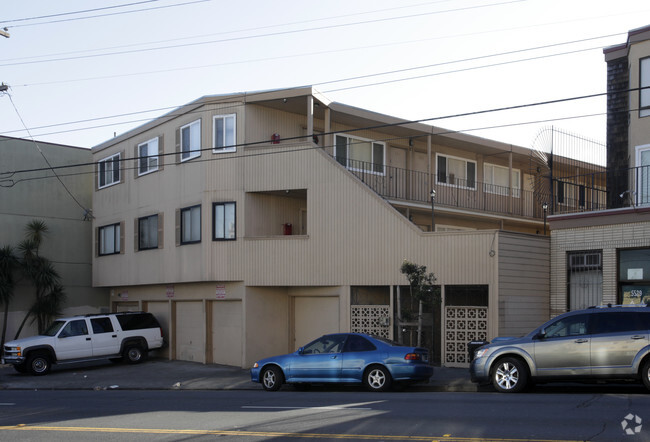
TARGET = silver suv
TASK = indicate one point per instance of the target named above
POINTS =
(609, 342)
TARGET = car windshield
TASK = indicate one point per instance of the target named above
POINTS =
(53, 329)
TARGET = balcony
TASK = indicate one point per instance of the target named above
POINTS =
(567, 194)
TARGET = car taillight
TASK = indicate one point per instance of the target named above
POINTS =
(413, 357)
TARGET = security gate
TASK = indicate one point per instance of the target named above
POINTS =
(462, 325)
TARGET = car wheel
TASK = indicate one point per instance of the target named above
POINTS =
(377, 378)
(509, 375)
(39, 364)
(134, 354)
(645, 374)
(272, 378)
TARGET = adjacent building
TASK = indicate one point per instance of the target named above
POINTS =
(603, 256)
(29, 190)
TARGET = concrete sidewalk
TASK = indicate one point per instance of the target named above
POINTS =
(162, 374)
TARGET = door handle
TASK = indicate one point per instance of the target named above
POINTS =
(638, 337)
(581, 341)
(333, 357)
(87, 339)
(114, 336)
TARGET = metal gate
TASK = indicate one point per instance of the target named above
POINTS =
(462, 325)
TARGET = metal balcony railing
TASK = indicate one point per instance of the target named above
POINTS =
(569, 194)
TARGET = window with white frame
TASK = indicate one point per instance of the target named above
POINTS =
(148, 232)
(644, 81)
(642, 195)
(496, 180)
(190, 140)
(148, 157)
(225, 133)
(109, 239)
(360, 154)
(108, 171)
(455, 171)
(585, 279)
(191, 225)
(224, 221)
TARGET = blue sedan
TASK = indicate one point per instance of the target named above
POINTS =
(345, 358)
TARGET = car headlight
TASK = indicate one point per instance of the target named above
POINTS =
(480, 353)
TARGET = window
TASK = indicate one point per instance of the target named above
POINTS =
(496, 180)
(225, 138)
(224, 221)
(190, 142)
(358, 343)
(616, 322)
(148, 232)
(74, 328)
(585, 279)
(101, 325)
(644, 81)
(360, 154)
(148, 157)
(109, 239)
(456, 171)
(191, 225)
(568, 326)
(108, 171)
(642, 196)
(325, 344)
(634, 276)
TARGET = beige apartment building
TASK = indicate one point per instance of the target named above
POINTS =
(603, 256)
(252, 223)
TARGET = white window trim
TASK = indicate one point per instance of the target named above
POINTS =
(516, 182)
(640, 196)
(191, 153)
(152, 169)
(117, 232)
(99, 173)
(230, 148)
(372, 152)
(438, 155)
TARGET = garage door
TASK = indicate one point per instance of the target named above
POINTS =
(190, 334)
(160, 309)
(227, 333)
(314, 317)
(126, 306)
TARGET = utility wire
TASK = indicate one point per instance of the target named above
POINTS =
(335, 26)
(340, 80)
(434, 131)
(86, 210)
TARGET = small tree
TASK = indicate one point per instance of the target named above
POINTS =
(421, 288)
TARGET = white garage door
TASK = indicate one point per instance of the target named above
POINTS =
(160, 309)
(227, 332)
(314, 317)
(190, 335)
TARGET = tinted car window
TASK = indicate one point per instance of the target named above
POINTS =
(136, 321)
(616, 322)
(101, 325)
(358, 343)
(75, 328)
(569, 326)
(325, 344)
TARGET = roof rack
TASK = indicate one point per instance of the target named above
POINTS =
(643, 304)
(88, 315)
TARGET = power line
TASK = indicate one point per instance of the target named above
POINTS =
(86, 210)
(96, 16)
(368, 76)
(375, 127)
(183, 45)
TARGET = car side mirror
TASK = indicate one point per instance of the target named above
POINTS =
(540, 335)
(301, 350)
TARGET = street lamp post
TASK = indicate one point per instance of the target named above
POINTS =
(545, 208)
(433, 202)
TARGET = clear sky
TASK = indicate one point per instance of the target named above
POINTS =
(80, 78)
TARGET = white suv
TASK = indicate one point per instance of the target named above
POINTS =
(113, 336)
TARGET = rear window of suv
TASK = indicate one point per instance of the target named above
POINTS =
(136, 321)
(619, 322)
